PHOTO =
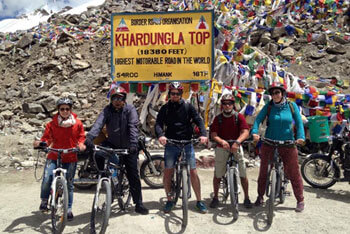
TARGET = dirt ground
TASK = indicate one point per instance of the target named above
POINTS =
(326, 211)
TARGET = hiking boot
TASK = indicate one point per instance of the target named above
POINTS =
(300, 207)
(247, 204)
(43, 206)
(201, 207)
(214, 203)
(141, 209)
(70, 216)
(168, 206)
(259, 201)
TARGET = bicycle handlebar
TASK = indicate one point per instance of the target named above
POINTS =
(277, 143)
(182, 143)
(111, 150)
(64, 151)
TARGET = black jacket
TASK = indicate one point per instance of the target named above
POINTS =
(178, 123)
(121, 126)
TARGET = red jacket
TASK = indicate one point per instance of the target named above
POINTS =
(63, 138)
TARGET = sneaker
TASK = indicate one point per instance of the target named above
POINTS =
(168, 206)
(70, 216)
(141, 209)
(43, 206)
(259, 201)
(300, 207)
(214, 203)
(247, 204)
(201, 207)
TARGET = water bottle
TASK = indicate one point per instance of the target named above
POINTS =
(114, 176)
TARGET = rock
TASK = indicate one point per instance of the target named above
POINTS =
(317, 55)
(337, 49)
(322, 39)
(278, 32)
(265, 38)
(79, 64)
(6, 114)
(25, 41)
(340, 40)
(32, 108)
(6, 46)
(49, 103)
(333, 58)
(288, 53)
(62, 52)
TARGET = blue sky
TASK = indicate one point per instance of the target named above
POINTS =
(13, 8)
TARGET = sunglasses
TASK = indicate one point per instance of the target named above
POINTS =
(64, 109)
(175, 94)
(275, 93)
(227, 103)
(118, 98)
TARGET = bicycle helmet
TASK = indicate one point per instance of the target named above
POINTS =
(117, 91)
(64, 101)
(277, 86)
(227, 97)
(176, 85)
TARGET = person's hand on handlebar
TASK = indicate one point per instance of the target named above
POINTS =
(300, 142)
(234, 147)
(256, 138)
(225, 145)
(162, 140)
(81, 147)
(203, 139)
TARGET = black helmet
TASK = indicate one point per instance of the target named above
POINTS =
(64, 101)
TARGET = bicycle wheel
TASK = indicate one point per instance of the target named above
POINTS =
(101, 208)
(282, 187)
(272, 196)
(184, 196)
(318, 172)
(123, 191)
(233, 196)
(60, 208)
(152, 178)
(177, 185)
(224, 187)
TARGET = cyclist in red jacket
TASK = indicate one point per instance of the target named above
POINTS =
(62, 132)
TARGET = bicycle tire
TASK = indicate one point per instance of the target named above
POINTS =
(60, 209)
(282, 191)
(101, 212)
(147, 174)
(272, 197)
(233, 197)
(178, 181)
(185, 189)
(310, 170)
(123, 191)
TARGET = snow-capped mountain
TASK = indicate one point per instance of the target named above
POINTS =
(29, 13)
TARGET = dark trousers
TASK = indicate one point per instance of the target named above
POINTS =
(132, 173)
(291, 168)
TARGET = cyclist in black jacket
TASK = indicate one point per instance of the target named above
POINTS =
(177, 116)
(121, 121)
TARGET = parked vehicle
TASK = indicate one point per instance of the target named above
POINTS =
(151, 170)
(323, 170)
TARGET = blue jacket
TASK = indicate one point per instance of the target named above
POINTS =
(121, 126)
(280, 126)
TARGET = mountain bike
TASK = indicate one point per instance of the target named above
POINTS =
(181, 183)
(112, 183)
(230, 182)
(276, 180)
(58, 198)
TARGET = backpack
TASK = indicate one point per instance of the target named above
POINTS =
(269, 110)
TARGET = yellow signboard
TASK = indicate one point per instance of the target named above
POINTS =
(162, 46)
